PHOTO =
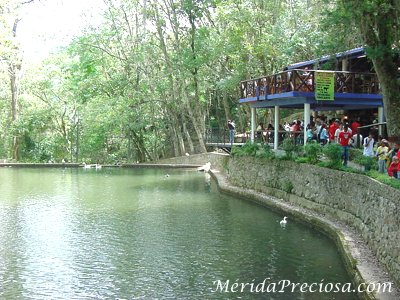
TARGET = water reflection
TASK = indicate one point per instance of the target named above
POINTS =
(108, 234)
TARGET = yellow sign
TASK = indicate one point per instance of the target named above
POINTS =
(324, 86)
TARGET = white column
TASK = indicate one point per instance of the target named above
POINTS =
(253, 123)
(380, 119)
(307, 108)
(276, 127)
(345, 65)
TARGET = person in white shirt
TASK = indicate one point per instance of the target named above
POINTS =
(337, 133)
(356, 140)
(368, 144)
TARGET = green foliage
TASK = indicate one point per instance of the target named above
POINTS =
(390, 181)
(287, 186)
(302, 160)
(355, 153)
(253, 149)
(134, 95)
(248, 149)
(312, 150)
(290, 149)
(369, 163)
(265, 152)
(334, 154)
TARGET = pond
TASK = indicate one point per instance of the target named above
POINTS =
(145, 234)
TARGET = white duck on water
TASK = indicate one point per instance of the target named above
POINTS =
(283, 222)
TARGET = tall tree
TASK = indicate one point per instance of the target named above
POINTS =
(11, 54)
(378, 23)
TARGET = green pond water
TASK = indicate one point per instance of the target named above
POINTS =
(138, 234)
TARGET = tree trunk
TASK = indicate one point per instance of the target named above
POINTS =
(179, 145)
(225, 104)
(14, 67)
(188, 137)
(379, 31)
(175, 142)
(196, 124)
(13, 72)
(386, 70)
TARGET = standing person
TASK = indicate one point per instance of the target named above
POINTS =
(375, 130)
(323, 135)
(332, 129)
(356, 139)
(368, 144)
(382, 152)
(310, 133)
(393, 169)
(344, 138)
(318, 126)
(261, 131)
(231, 127)
(394, 151)
(354, 126)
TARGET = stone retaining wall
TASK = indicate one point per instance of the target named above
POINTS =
(218, 160)
(363, 203)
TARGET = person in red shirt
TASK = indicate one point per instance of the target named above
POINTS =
(393, 169)
(354, 126)
(332, 129)
(344, 138)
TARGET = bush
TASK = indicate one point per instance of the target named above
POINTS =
(248, 149)
(334, 153)
(266, 152)
(369, 163)
(391, 181)
(355, 154)
(290, 148)
(288, 186)
(302, 160)
(311, 151)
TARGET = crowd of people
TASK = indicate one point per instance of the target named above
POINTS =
(388, 158)
(346, 133)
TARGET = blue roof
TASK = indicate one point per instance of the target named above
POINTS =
(348, 54)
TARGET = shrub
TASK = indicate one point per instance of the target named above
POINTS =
(302, 160)
(311, 151)
(334, 153)
(248, 149)
(367, 162)
(266, 152)
(290, 148)
(354, 153)
(391, 181)
(288, 187)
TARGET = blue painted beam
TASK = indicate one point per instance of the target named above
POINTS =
(297, 99)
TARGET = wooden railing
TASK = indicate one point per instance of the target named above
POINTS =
(303, 81)
(218, 135)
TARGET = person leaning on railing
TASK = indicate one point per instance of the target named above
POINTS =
(310, 133)
(260, 131)
(323, 135)
(231, 127)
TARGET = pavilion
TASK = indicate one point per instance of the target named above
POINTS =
(349, 84)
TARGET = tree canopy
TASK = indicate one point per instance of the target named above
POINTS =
(147, 82)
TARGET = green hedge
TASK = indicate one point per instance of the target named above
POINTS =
(311, 154)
